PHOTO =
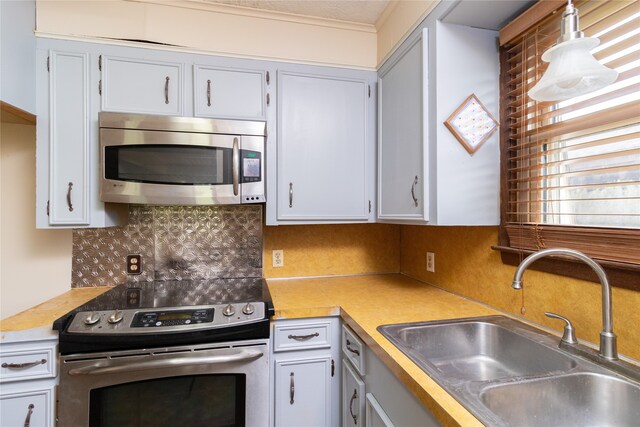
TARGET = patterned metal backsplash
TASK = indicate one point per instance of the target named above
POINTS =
(176, 243)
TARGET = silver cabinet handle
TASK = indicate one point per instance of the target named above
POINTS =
(24, 365)
(291, 194)
(166, 90)
(352, 350)
(235, 171)
(27, 421)
(69, 197)
(110, 367)
(208, 93)
(413, 191)
(353, 397)
(292, 389)
(303, 337)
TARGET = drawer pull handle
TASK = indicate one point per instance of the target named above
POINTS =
(24, 365)
(353, 397)
(27, 421)
(292, 389)
(352, 350)
(303, 337)
(208, 93)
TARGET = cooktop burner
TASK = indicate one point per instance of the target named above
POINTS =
(144, 314)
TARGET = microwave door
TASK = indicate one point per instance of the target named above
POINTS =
(155, 167)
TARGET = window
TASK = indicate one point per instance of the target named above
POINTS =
(571, 169)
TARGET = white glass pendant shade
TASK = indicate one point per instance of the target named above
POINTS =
(572, 71)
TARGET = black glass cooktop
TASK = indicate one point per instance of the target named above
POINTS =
(182, 293)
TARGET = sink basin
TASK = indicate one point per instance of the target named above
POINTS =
(510, 374)
(476, 349)
(584, 399)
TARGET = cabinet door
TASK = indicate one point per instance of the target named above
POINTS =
(136, 86)
(69, 138)
(321, 148)
(402, 136)
(353, 392)
(32, 408)
(235, 94)
(303, 392)
(375, 416)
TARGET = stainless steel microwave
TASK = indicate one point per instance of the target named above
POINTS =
(165, 160)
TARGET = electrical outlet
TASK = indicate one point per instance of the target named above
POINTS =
(134, 264)
(277, 258)
(431, 262)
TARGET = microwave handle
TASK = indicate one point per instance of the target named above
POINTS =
(235, 171)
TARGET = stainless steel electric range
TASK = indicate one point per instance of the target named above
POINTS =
(167, 353)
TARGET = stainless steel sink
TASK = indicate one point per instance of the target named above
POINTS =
(577, 399)
(479, 350)
(510, 374)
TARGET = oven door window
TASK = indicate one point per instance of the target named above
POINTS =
(169, 164)
(195, 400)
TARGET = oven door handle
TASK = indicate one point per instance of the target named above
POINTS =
(244, 355)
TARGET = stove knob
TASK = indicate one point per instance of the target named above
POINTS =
(248, 309)
(228, 311)
(115, 317)
(92, 319)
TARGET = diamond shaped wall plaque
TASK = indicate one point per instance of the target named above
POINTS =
(471, 124)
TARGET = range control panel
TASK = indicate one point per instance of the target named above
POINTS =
(147, 319)
(158, 320)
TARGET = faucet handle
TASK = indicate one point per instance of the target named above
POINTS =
(569, 335)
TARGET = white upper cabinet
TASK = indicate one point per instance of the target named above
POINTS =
(18, 50)
(229, 93)
(69, 140)
(323, 148)
(402, 135)
(425, 175)
(142, 86)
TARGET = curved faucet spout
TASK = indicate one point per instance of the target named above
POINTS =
(608, 347)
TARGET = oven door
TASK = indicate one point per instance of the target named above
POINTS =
(170, 168)
(208, 385)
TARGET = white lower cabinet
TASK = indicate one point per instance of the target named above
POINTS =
(28, 381)
(353, 395)
(306, 372)
(376, 417)
(372, 396)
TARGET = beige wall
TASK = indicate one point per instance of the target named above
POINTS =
(215, 28)
(35, 265)
(466, 264)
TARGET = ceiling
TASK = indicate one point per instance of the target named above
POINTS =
(360, 11)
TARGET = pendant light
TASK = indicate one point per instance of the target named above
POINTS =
(572, 69)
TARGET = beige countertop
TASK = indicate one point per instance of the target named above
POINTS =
(363, 302)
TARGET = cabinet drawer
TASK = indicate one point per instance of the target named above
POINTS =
(297, 336)
(18, 363)
(353, 349)
(31, 408)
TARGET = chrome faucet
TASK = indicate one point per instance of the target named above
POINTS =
(608, 346)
